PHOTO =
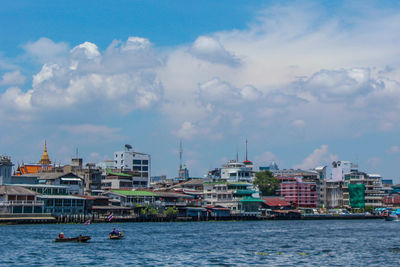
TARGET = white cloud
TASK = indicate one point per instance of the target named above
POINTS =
(291, 68)
(45, 50)
(320, 156)
(12, 78)
(210, 49)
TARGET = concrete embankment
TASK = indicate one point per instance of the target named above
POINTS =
(26, 218)
(339, 217)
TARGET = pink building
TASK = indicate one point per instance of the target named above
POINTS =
(302, 194)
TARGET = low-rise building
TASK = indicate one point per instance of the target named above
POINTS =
(74, 182)
(301, 194)
(17, 199)
(362, 190)
(63, 205)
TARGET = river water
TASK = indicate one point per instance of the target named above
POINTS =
(273, 243)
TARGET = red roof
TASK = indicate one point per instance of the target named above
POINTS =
(247, 161)
(275, 201)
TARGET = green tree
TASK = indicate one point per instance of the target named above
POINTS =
(266, 183)
(171, 211)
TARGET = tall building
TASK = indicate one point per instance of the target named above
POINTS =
(138, 164)
(183, 172)
(341, 168)
(5, 169)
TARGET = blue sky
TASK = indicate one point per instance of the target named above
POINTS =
(305, 82)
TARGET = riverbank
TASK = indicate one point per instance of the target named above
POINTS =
(78, 219)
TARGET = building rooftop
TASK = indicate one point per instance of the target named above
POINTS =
(15, 190)
(275, 201)
(133, 193)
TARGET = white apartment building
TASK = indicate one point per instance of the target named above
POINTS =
(236, 171)
(138, 163)
(341, 168)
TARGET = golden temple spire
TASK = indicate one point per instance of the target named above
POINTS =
(45, 160)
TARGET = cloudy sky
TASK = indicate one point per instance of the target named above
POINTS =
(305, 82)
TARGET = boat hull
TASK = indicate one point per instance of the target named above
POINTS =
(392, 218)
(79, 239)
(119, 236)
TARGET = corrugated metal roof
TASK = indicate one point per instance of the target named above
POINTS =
(15, 190)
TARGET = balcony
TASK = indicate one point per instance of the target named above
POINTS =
(22, 203)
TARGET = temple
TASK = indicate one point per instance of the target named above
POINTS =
(43, 165)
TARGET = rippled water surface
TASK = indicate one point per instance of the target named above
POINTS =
(273, 243)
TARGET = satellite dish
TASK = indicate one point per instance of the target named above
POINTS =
(128, 146)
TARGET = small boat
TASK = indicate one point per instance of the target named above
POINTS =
(79, 239)
(392, 217)
(120, 235)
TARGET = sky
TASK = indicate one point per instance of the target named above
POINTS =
(305, 82)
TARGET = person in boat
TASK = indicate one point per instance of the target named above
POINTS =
(114, 232)
(61, 235)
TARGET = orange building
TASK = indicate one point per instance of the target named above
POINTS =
(43, 165)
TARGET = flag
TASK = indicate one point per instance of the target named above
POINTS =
(110, 217)
(87, 222)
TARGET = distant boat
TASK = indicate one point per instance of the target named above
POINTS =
(120, 235)
(79, 239)
(392, 217)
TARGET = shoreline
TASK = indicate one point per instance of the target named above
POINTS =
(81, 220)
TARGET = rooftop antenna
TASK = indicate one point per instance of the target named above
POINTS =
(237, 154)
(76, 152)
(180, 154)
(246, 149)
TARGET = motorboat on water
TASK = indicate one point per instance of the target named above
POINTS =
(391, 217)
(118, 235)
(79, 239)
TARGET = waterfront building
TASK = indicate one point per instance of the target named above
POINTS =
(227, 194)
(341, 168)
(361, 190)
(46, 189)
(129, 198)
(299, 193)
(5, 169)
(17, 199)
(251, 206)
(217, 211)
(276, 203)
(331, 194)
(74, 183)
(117, 180)
(217, 193)
(63, 204)
(139, 164)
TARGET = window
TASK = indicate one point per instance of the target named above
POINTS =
(145, 168)
(145, 162)
(137, 162)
